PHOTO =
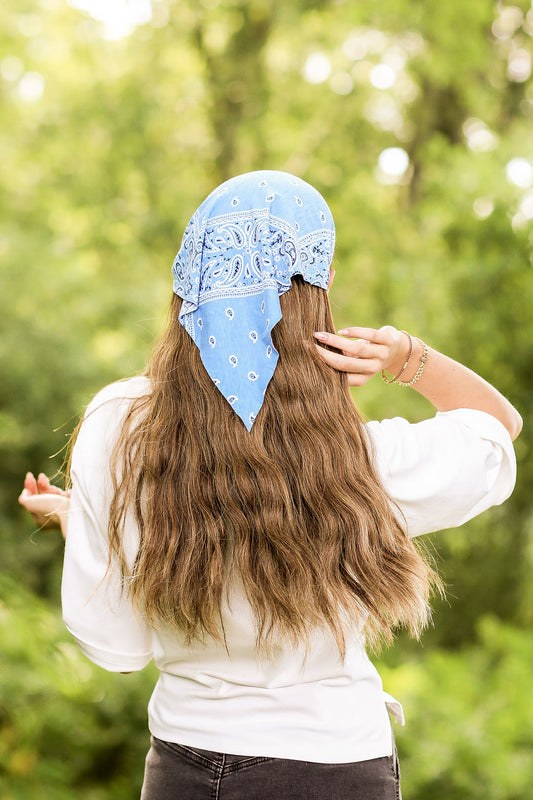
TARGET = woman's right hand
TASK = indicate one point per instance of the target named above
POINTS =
(365, 351)
(47, 504)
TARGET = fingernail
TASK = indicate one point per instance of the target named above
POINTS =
(321, 336)
(343, 332)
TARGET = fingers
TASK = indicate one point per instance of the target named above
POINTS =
(364, 351)
(382, 335)
(359, 348)
(40, 486)
(360, 357)
(23, 497)
(357, 380)
(349, 363)
(359, 370)
(44, 485)
(30, 484)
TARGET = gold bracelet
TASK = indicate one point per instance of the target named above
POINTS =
(399, 375)
(420, 369)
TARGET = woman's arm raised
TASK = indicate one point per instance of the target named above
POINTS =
(444, 382)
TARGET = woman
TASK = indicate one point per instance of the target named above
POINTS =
(233, 518)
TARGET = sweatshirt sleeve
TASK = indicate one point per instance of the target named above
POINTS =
(445, 470)
(96, 610)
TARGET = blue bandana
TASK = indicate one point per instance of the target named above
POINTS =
(238, 255)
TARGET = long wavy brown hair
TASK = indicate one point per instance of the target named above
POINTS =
(295, 508)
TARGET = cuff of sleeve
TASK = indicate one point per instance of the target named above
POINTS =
(111, 660)
(491, 429)
(485, 424)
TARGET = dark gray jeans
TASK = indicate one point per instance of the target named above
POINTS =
(177, 772)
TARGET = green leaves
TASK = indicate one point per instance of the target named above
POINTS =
(468, 732)
(65, 725)
(107, 147)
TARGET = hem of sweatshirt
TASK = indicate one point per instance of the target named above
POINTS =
(334, 753)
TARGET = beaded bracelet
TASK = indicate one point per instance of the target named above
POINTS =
(399, 375)
(420, 369)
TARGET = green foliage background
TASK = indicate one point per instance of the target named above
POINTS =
(100, 174)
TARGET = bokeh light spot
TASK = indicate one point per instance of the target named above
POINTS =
(526, 206)
(393, 163)
(354, 47)
(382, 76)
(31, 86)
(120, 17)
(341, 82)
(479, 137)
(519, 172)
(11, 68)
(519, 66)
(483, 207)
(509, 19)
(317, 68)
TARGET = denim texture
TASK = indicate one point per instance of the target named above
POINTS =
(178, 772)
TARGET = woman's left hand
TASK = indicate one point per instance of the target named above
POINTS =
(366, 351)
(47, 504)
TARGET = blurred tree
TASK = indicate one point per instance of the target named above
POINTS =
(67, 728)
(468, 734)
(414, 120)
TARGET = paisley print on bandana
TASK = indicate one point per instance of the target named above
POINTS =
(238, 255)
